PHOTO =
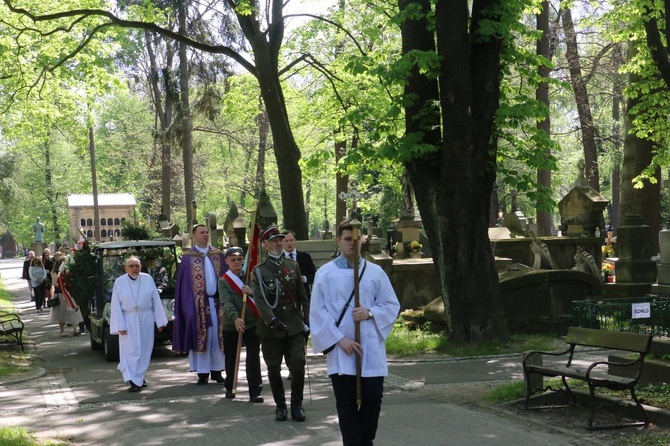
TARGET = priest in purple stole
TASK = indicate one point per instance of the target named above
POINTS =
(197, 326)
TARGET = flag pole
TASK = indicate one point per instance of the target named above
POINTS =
(253, 247)
(356, 235)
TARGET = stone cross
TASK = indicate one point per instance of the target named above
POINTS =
(352, 194)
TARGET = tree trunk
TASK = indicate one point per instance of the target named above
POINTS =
(186, 126)
(615, 205)
(94, 182)
(286, 150)
(637, 155)
(341, 183)
(265, 47)
(163, 110)
(582, 99)
(453, 185)
(263, 129)
(544, 220)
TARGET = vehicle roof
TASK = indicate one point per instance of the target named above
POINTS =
(135, 244)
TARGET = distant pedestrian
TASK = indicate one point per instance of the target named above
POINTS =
(67, 311)
(333, 321)
(38, 279)
(26, 274)
(48, 263)
(136, 308)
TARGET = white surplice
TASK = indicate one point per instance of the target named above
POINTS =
(136, 307)
(331, 290)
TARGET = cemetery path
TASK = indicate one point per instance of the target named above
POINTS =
(76, 396)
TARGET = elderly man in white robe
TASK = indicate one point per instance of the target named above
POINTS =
(332, 319)
(136, 307)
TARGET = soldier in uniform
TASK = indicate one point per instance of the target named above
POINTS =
(284, 311)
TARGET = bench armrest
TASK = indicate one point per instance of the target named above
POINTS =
(529, 354)
(637, 361)
(9, 317)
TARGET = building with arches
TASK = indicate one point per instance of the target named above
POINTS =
(112, 210)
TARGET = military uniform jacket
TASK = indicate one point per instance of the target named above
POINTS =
(279, 293)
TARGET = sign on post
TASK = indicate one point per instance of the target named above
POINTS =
(641, 310)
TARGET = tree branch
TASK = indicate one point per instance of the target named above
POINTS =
(80, 14)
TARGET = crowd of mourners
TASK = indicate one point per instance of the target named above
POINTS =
(273, 310)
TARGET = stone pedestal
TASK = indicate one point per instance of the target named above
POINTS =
(662, 287)
(635, 270)
(408, 230)
(38, 248)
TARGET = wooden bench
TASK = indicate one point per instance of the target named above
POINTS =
(11, 326)
(594, 374)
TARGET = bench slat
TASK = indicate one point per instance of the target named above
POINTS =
(632, 342)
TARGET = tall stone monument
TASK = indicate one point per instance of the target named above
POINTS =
(409, 223)
(662, 285)
(38, 245)
(635, 270)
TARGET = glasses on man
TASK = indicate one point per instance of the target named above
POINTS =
(236, 259)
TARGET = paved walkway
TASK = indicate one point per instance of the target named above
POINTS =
(80, 397)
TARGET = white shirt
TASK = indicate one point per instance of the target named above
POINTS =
(331, 290)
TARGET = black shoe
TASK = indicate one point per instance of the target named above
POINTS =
(202, 378)
(281, 413)
(133, 388)
(216, 376)
(229, 394)
(144, 383)
(298, 413)
(256, 399)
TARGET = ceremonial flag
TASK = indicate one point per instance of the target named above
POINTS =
(253, 252)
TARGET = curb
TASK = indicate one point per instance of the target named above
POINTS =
(27, 377)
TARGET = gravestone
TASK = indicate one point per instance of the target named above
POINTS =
(635, 270)
(662, 285)
(582, 209)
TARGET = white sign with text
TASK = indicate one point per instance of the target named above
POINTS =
(642, 310)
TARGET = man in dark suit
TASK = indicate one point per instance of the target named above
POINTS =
(25, 276)
(307, 268)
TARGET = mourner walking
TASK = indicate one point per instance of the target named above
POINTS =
(136, 308)
(284, 309)
(333, 322)
(197, 312)
(231, 291)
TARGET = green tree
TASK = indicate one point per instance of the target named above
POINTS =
(263, 33)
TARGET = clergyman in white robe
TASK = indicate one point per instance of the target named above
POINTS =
(136, 307)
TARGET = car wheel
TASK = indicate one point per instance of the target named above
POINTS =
(95, 345)
(111, 345)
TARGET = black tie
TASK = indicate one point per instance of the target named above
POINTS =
(291, 256)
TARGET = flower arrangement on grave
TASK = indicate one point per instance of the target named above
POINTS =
(415, 246)
(608, 250)
(607, 269)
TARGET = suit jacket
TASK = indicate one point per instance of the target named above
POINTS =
(307, 269)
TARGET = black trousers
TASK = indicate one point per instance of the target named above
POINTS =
(40, 291)
(358, 425)
(253, 361)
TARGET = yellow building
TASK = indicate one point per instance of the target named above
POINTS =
(112, 210)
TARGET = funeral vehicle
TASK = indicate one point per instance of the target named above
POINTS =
(159, 259)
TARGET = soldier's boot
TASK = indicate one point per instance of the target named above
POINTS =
(297, 388)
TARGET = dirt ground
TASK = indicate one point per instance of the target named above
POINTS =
(558, 417)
